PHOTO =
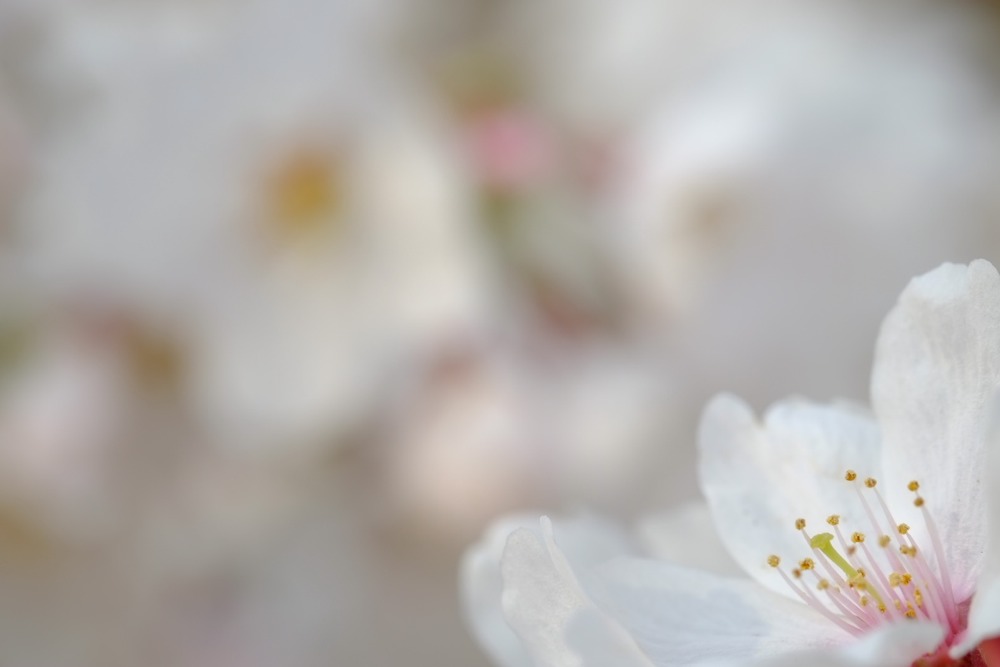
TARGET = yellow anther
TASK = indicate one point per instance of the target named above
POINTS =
(910, 613)
(898, 604)
(859, 582)
(864, 600)
(903, 529)
(823, 585)
(800, 524)
(833, 519)
(895, 579)
(918, 502)
(884, 541)
(797, 573)
(773, 561)
(850, 476)
(907, 578)
(913, 486)
(881, 608)
(858, 538)
(918, 597)
(871, 482)
(304, 193)
(807, 564)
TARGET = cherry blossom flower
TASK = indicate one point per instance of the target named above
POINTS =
(864, 538)
(500, 426)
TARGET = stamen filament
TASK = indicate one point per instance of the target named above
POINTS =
(908, 547)
(807, 596)
(878, 579)
(942, 564)
(851, 611)
(850, 550)
(861, 613)
(893, 530)
(898, 531)
(933, 586)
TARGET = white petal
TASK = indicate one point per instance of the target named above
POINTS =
(539, 598)
(892, 645)
(600, 643)
(680, 616)
(937, 364)
(760, 477)
(686, 536)
(541, 593)
(481, 588)
(984, 613)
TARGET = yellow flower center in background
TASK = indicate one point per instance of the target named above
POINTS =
(305, 195)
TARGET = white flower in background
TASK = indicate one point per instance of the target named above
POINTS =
(298, 344)
(867, 539)
(816, 124)
(820, 123)
(269, 189)
(567, 50)
(503, 430)
(683, 190)
(466, 429)
(65, 406)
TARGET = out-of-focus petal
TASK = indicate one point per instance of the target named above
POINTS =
(760, 476)
(584, 540)
(686, 536)
(481, 588)
(680, 616)
(541, 594)
(937, 365)
(599, 642)
(893, 645)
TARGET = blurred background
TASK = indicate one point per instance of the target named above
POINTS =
(297, 295)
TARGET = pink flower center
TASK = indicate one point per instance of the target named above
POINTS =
(987, 654)
(859, 586)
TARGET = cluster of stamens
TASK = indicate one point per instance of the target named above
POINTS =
(861, 591)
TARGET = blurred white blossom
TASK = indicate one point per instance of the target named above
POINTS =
(299, 233)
